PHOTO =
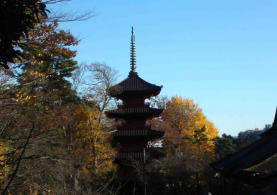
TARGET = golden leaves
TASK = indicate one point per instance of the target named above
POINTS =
(182, 118)
(92, 147)
(22, 97)
(3, 167)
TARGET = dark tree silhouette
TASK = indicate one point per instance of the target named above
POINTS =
(17, 17)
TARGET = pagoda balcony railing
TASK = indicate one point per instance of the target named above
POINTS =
(131, 155)
(133, 132)
(146, 105)
(139, 109)
(138, 133)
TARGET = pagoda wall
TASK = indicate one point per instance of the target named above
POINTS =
(133, 102)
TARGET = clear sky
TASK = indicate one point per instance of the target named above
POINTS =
(222, 54)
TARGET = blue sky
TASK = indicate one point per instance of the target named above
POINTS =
(221, 54)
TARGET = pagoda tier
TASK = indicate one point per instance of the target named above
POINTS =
(134, 86)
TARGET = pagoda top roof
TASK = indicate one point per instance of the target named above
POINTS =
(133, 83)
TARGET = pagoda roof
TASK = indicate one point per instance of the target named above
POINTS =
(273, 129)
(123, 112)
(251, 155)
(133, 84)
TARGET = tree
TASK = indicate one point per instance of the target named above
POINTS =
(180, 119)
(41, 100)
(68, 151)
(92, 82)
(188, 148)
(92, 145)
(17, 18)
(224, 145)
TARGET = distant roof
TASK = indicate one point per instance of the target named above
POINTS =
(133, 84)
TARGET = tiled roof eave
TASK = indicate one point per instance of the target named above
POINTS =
(133, 84)
(248, 156)
(144, 93)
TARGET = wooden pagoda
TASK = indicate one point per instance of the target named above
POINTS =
(133, 134)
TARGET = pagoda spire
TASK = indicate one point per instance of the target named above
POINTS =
(133, 59)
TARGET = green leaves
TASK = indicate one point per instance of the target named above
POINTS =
(200, 136)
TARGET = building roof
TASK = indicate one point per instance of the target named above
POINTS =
(134, 85)
(250, 155)
(273, 129)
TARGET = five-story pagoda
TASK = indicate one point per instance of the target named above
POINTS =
(133, 134)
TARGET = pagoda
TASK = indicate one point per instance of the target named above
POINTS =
(132, 135)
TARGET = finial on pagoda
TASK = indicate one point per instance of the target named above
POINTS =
(133, 59)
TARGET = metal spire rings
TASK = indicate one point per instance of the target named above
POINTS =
(133, 59)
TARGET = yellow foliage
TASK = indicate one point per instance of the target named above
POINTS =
(23, 97)
(185, 116)
(3, 167)
(182, 118)
(93, 143)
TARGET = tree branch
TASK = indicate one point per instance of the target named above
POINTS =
(18, 161)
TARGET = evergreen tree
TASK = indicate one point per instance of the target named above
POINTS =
(224, 145)
(17, 18)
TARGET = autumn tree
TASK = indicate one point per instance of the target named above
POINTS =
(60, 140)
(188, 145)
(37, 111)
(91, 145)
(180, 119)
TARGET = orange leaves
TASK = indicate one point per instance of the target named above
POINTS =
(52, 40)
